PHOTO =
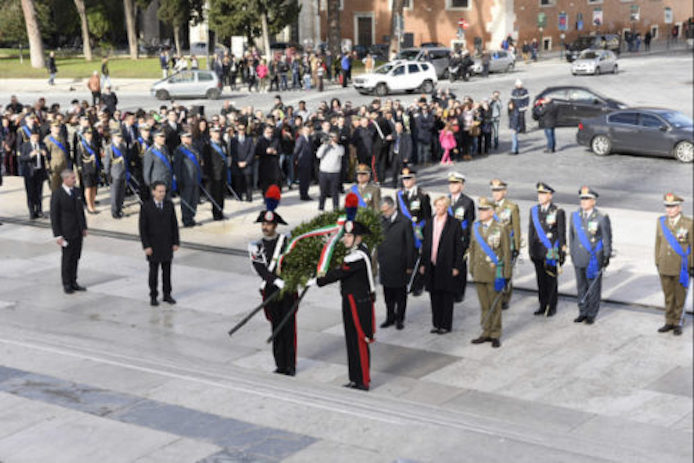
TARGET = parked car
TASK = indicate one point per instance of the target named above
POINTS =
(361, 51)
(196, 83)
(502, 61)
(398, 76)
(611, 42)
(659, 132)
(380, 51)
(575, 104)
(439, 57)
(432, 45)
(595, 62)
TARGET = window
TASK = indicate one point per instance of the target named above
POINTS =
(594, 2)
(406, 4)
(547, 2)
(457, 4)
(412, 68)
(650, 121)
(581, 96)
(204, 77)
(623, 118)
(400, 70)
(183, 76)
(425, 67)
(557, 95)
(324, 5)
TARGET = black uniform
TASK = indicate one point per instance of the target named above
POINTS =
(68, 221)
(32, 159)
(547, 261)
(269, 172)
(416, 206)
(357, 288)
(265, 264)
(188, 177)
(219, 174)
(463, 209)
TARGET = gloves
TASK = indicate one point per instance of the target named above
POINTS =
(514, 254)
(605, 261)
(311, 282)
(279, 282)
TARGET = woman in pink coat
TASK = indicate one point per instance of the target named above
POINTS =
(447, 141)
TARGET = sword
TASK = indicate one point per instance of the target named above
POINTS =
(214, 203)
(286, 318)
(415, 270)
(233, 193)
(185, 203)
(591, 286)
(253, 312)
(133, 190)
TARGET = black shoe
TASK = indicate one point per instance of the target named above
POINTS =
(677, 331)
(417, 293)
(351, 384)
(68, 289)
(387, 323)
(443, 331)
(539, 311)
(307, 198)
(153, 302)
(279, 372)
(399, 325)
(434, 331)
(496, 343)
(33, 216)
(459, 299)
(77, 287)
(290, 371)
(480, 340)
(361, 387)
(550, 313)
(665, 328)
(40, 215)
(169, 299)
(590, 320)
(580, 318)
(504, 306)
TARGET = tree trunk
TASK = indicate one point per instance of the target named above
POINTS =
(266, 37)
(395, 34)
(86, 45)
(130, 27)
(177, 39)
(34, 34)
(334, 35)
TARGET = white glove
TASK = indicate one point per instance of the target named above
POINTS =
(279, 282)
(311, 282)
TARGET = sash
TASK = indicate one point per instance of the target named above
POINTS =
(552, 249)
(415, 227)
(26, 131)
(118, 154)
(219, 150)
(593, 265)
(58, 144)
(463, 223)
(193, 159)
(355, 190)
(143, 142)
(499, 281)
(359, 254)
(672, 241)
(168, 165)
(91, 152)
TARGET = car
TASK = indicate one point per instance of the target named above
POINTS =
(575, 104)
(195, 83)
(439, 57)
(611, 42)
(398, 76)
(502, 61)
(595, 62)
(652, 131)
(379, 51)
(361, 51)
(432, 45)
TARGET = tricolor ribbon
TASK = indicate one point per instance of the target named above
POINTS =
(328, 249)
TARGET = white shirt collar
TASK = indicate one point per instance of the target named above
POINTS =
(67, 189)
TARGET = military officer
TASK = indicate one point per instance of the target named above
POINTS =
(358, 295)
(508, 214)
(415, 205)
(116, 167)
(265, 255)
(89, 162)
(590, 244)
(157, 165)
(219, 171)
(490, 266)
(32, 159)
(463, 209)
(674, 240)
(58, 155)
(188, 177)
(547, 247)
(139, 149)
(368, 193)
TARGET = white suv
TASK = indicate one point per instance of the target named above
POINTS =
(398, 76)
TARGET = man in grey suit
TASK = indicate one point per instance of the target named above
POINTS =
(590, 242)
(116, 168)
(158, 165)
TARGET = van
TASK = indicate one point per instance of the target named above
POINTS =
(438, 56)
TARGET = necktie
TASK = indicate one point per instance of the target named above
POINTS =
(160, 206)
(38, 157)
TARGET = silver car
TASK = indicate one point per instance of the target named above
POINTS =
(196, 83)
(502, 61)
(595, 62)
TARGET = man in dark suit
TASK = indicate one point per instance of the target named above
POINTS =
(382, 136)
(267, 151)
(69, 228)
(396, 260)
(303, 153)
(463, 209)
(172, 131)
(242, 151)
(32, 158)
(400, 152)
(159, 236)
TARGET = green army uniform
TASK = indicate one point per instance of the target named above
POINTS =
(369, 192)
(508, 214)
(58, 158)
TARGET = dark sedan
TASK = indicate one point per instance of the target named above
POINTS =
(575, 104)
(657, 132)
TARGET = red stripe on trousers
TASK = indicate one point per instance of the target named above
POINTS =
(373, 168)
(361, 342)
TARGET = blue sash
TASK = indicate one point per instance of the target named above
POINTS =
(168, 165)
(551, 258)
(58, 144)
(91, 152)
(193, 159)
(415, 226)
(499, 281)
(118, 154)
(463, 223)
(355, 190)
(219, 150)
(26, 131)
(143, 142)
(593, 265)
(672, 241)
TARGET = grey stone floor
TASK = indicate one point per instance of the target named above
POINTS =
(101, 376)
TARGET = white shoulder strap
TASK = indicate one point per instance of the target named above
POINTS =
(276, 253)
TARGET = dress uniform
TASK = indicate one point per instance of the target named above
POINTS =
(368, 193)
(358, 295)
(508, 214)
(188, 174)
(547, 247)
(674, 240)
(116, 167)
(32, 159)
(58, 155)
(590, 243)
(415, 205)
(139, 149)
(219, 171)
(490, 265)
(265, 255)
(463, 209)
(158, 166)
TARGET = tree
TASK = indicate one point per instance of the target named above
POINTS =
(86, 45)
(33, 34)
(396, 25)
(129, 10)
(179, 13)
(334, 35)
